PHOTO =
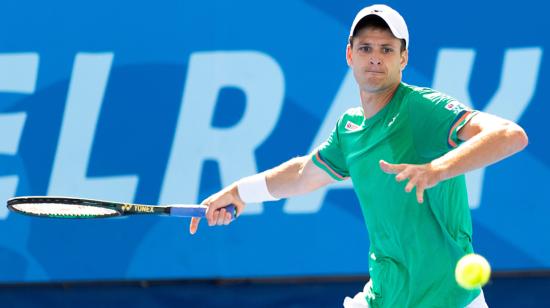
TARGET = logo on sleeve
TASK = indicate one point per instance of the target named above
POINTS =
(350, 126)
(455, 107)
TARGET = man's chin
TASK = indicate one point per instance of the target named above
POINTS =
(374, 87)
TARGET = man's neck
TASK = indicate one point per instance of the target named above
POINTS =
(373, 102)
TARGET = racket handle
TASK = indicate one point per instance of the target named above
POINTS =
(197, 211)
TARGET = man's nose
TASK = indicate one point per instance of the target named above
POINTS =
(375, 60)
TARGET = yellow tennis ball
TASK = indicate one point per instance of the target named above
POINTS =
(472, 271)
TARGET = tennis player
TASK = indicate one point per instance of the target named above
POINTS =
(406, 149)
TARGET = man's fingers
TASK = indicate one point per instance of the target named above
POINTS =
(194, 225)
(410, 185)
(402, 175)
(216, 212)
(221, 217)
(412, 172)
(420, 193)
(213, 209)
(215, 217)
(209, 210)
(227, 218)
(390, 168)
(214, 220)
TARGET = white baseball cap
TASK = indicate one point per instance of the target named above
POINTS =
(395, 21)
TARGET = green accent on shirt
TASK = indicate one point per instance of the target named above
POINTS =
(414, 247)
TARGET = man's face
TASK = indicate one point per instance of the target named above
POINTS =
(376, 59)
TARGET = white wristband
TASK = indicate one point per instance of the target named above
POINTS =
(253, 189)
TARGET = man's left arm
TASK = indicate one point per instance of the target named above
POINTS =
(488, 139)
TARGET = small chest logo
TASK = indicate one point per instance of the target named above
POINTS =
(393, 120)
(351, 126)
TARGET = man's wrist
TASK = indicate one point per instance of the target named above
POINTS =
(234, 191)
(440, 170)
(253, 189)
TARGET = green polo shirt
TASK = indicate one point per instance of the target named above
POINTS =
(414, 247)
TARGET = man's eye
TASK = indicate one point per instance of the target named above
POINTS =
(365, 48)
(387, 50)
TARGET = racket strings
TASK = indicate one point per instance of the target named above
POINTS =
(64, 210)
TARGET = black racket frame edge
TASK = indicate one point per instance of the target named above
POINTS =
(122, 209)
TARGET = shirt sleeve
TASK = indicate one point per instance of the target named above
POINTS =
(329, 157)
(436, 120)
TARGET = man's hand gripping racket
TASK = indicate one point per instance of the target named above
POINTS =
(217, 213)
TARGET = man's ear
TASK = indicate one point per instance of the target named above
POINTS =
(348, 55)
(404, 59)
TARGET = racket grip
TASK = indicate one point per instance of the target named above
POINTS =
(233, 210)
(198, 211)
(188, 211)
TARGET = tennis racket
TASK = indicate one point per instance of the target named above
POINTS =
(64, 207)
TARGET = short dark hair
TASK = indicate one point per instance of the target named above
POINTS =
(373, 21)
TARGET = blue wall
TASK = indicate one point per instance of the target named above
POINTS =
(527, 292)
(166, 102)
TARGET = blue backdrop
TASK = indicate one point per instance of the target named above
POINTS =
(166, 102)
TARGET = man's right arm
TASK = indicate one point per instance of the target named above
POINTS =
(294, 177)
